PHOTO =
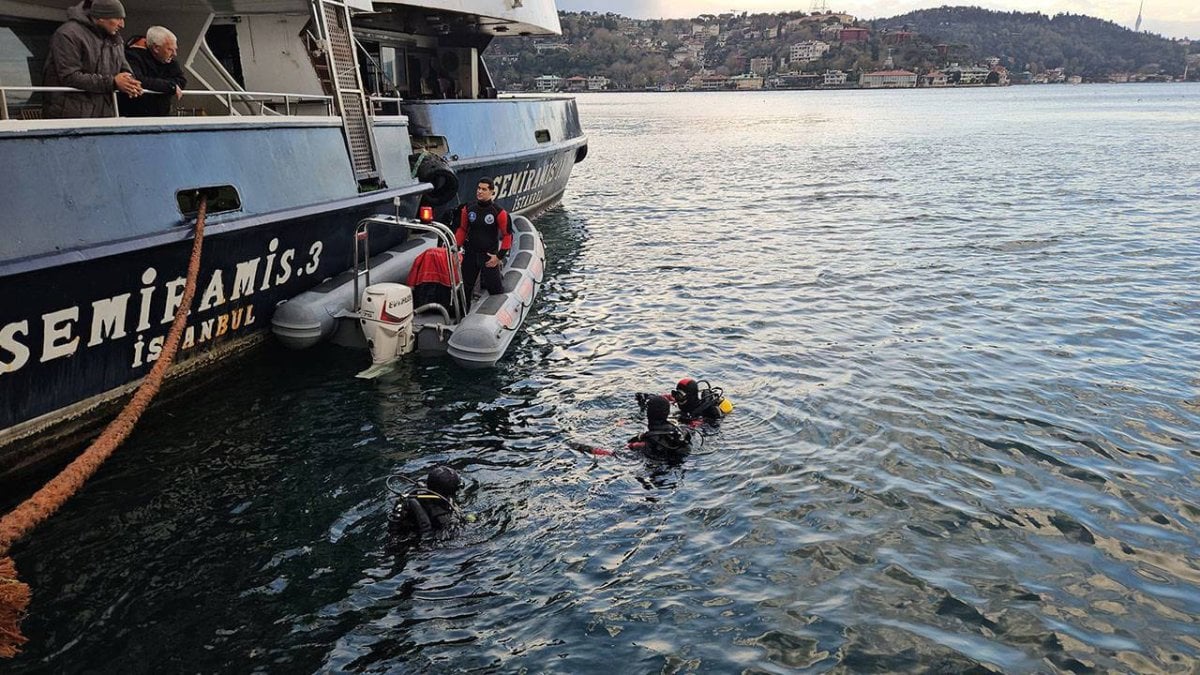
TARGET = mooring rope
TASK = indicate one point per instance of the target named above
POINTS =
(14, 593)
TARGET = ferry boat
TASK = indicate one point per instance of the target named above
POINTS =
(301, 118)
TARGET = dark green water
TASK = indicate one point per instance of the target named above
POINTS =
(960, 331)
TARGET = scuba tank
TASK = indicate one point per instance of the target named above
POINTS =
(695, 400)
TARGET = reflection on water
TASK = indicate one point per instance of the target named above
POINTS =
(959, 328)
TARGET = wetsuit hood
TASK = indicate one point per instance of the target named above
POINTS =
(444, 481)
(657, 409)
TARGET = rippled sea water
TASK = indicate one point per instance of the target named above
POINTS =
(960, 330)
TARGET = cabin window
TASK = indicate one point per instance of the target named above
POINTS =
(24, 45)
(542, 135)
(221, 199)
(389, 69)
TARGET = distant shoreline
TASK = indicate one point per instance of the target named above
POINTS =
(844, 88)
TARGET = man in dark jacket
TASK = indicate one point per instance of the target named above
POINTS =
(86, 53)
(484, 234)
(153, 61)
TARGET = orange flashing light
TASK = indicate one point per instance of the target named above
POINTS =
(425, 214)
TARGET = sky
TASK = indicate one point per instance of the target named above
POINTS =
(1171, 18)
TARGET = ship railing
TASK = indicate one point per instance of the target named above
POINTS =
(385, 105)
(253, 103)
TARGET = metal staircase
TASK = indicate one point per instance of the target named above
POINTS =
(340, 77)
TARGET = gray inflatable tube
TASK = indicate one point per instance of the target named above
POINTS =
(311, 317)
(484, 335)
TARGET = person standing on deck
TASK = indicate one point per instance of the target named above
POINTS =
(86, 53)
(152, 59)
(483, 233)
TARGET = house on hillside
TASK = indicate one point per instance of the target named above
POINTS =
(966, 75)
(713, 83)
(747, 81)
(852, 35)
(803, 52)
(934, 78)
(833, 78)
(888, 79)
(547, 83)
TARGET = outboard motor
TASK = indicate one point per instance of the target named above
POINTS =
(386, 318)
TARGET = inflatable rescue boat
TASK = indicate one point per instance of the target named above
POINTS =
(411, 298)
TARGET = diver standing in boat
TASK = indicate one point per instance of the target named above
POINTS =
(484, 234)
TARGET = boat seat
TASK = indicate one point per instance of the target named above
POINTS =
(511, 279)
(491, 305)
(522, 260)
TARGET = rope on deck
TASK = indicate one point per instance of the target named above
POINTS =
(14, 593)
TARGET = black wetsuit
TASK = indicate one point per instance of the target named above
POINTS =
(706, 406)
(663, 441)
(422, 512)
(483, 230)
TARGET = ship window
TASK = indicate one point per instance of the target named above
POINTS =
(23, 49)
(392, 66)
(542, 135)
(438, 145)
(221, 199)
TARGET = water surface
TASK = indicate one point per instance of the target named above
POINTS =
(959, 327)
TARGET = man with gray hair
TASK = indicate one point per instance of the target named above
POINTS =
(85, 53)
(153, 61)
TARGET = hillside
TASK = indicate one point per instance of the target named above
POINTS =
(1082, 45)
(623, 53)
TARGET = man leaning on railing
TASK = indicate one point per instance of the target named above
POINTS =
(153, 61)
(86, 53)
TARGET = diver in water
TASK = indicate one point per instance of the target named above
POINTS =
(696, 404)
(662, 439)
(427, 509)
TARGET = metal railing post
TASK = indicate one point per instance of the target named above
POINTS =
(3, 105)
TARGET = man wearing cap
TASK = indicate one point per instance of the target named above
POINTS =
(86, 53)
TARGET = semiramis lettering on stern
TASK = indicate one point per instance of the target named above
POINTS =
(528, 184)
(140, 317)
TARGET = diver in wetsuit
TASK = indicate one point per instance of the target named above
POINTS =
(697, 405)
(707, 404)
(662, 439)
(429, 509)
